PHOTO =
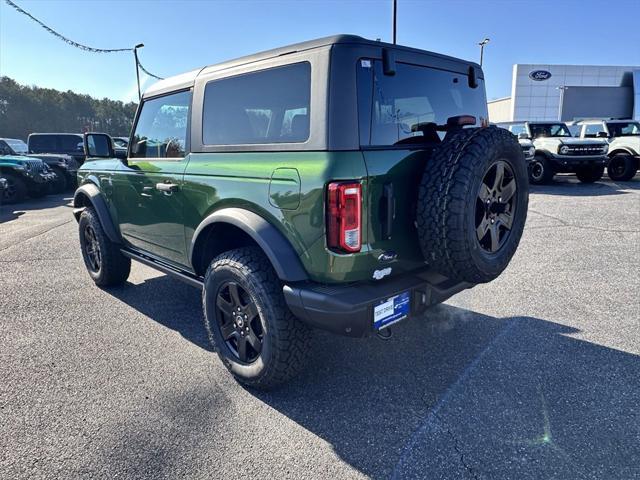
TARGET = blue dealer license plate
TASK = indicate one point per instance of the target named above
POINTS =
(391, 310)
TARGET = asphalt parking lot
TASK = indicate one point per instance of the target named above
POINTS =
(536, 375)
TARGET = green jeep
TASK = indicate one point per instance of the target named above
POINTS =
(342, 184)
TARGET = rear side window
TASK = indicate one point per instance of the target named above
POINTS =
(161, 130)
(43, 144)
(395, 109)
(270, 106)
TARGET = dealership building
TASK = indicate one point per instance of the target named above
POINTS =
(569, 92)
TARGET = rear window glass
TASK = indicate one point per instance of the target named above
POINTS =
(270, 106)
(393, 109)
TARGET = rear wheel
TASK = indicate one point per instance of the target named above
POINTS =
(590, 174)
(16, 190)
(104, 261)
(472, 204)
(255, 335)
(622, 168)
(541, 171)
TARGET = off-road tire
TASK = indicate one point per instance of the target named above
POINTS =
(16, 190)
(541, 171)
(447, 203)
(286, 341)
(590, 174)
(622, 168)
(59, 185)
(114, 267)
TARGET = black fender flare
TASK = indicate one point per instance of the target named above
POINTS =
(621, 151)
(93, 195)
(276, 247)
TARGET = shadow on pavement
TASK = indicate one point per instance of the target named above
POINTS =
(169, 302)
(569, 186)
(13, 211)
(454, 395)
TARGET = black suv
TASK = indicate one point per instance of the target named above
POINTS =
(65, 143)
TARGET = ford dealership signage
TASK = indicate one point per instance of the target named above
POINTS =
(540, 75)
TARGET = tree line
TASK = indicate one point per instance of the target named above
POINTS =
(28, 109)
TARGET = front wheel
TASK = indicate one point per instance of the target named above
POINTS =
(250, 326)
(104, 261)
(541, 171)
(622, 168)
(590, 174)
(16, 189)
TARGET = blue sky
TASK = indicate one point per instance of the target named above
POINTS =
(183, 35)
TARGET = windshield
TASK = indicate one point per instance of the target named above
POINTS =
(17, 146)
(623, 129)
(549, 130)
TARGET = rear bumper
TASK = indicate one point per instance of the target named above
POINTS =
(348, 309)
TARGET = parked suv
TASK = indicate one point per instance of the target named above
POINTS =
(341, 183)
(24, 176)
(64, 166)
(558, 152)
(59, 143)
(623, 137)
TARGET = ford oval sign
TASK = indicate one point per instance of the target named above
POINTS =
(540, 75)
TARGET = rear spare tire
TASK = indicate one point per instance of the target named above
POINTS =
(472, 204)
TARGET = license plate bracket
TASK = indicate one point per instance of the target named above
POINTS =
(391, 310)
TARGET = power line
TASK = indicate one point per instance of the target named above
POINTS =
(62, 37)
(86, 48)
(147, 72)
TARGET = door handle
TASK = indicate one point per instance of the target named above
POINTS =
(167, 187)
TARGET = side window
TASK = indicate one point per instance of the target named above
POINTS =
(517, 129)
(43, 144)
(4, 148)
(591, 131)
(269, 106)
(70, 143)
(161, 131)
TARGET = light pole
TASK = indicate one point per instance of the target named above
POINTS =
(482, 44)
(135, 54)
(395, 17)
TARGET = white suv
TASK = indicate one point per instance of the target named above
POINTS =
(623, 137)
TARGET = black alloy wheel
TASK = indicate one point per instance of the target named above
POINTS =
(537, 171)
(495, 206)
(92, 246)
(239, 322)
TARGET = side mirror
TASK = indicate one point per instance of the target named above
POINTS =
(523, 136)
(98, 145)
(602, 135)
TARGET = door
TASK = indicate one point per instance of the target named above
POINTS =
(148, 195)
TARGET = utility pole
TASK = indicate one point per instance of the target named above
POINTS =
(395, 17)
(135, 54)
(482, 44)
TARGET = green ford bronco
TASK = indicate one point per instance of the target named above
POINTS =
(341, 184)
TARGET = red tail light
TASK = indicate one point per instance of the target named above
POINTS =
(344, 218)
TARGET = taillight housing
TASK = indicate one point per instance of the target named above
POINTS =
(344, 216)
